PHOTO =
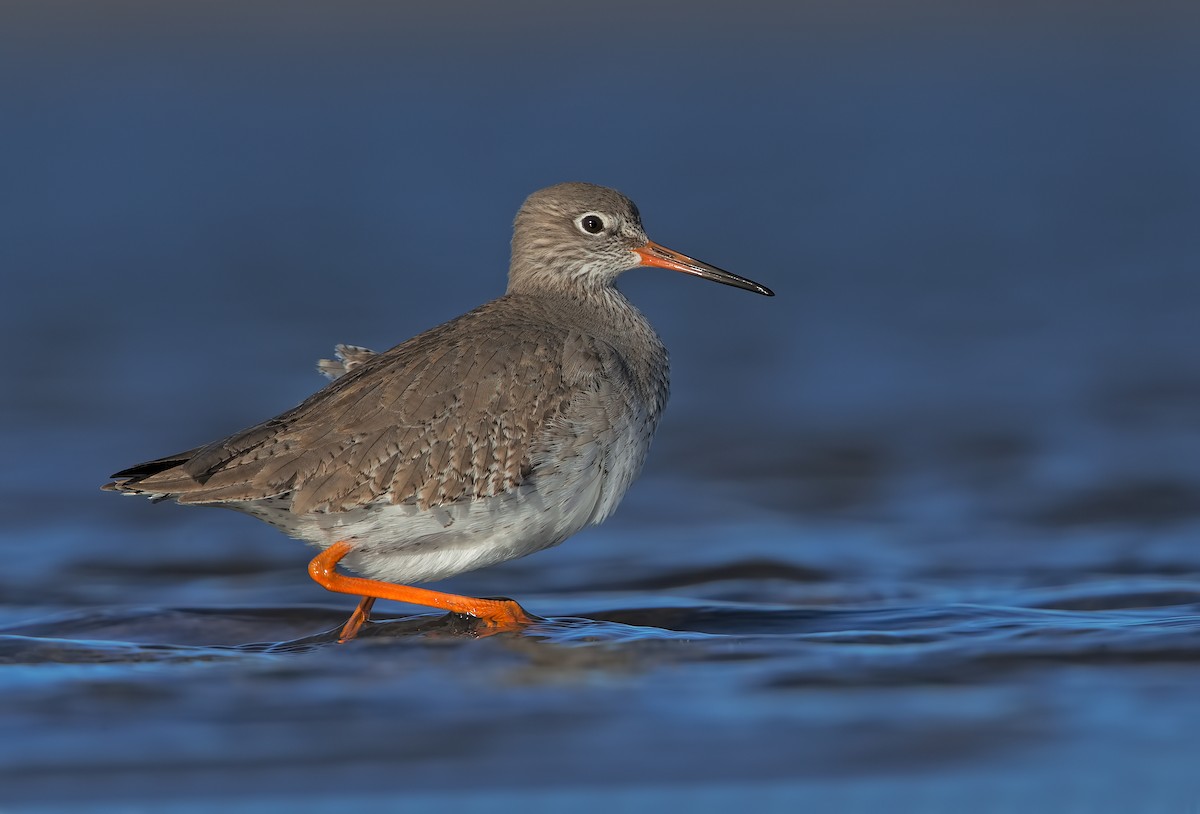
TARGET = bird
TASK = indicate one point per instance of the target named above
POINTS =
(497, 434)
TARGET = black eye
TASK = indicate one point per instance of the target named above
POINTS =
(592, 224)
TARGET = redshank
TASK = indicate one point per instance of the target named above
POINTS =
(497, 434)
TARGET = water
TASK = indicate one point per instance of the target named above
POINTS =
(918, 534)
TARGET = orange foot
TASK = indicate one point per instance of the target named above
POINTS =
(495, 615)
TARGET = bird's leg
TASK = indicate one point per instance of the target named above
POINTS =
(496, 614)
(361, 615)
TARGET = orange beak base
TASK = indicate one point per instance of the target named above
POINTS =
(658, 256)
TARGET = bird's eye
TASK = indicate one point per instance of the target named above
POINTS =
(591, 223)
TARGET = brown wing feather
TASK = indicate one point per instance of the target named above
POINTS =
(452, 413)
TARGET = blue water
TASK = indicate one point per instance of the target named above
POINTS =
(921, 533)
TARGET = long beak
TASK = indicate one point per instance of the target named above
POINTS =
(653, 254)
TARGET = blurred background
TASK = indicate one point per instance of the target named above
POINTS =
(968, 426)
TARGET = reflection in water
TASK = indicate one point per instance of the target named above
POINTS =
(1119, 621)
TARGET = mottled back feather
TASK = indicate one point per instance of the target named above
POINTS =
(456, 413)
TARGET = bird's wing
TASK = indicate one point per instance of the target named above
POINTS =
(453, 414)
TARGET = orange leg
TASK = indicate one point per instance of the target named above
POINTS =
(361, 615)
(496, 614)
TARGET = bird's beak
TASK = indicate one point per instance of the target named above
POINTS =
(653, 254)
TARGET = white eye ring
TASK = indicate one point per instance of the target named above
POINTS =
(591, 223)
